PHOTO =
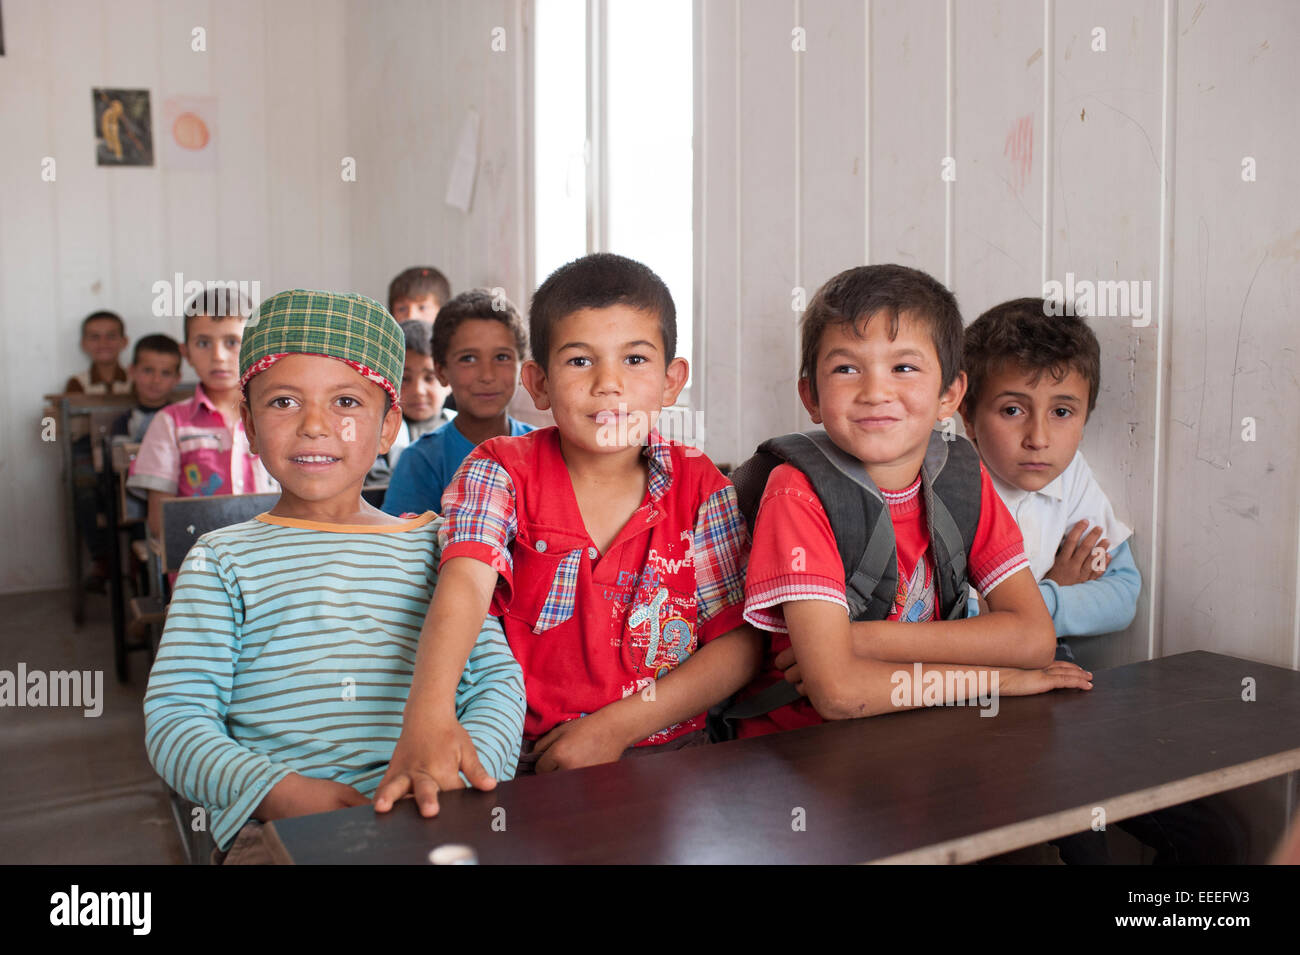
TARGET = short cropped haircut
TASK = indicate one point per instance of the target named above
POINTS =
(476, 303)
(419, 282)
(889, 290)
(1022, 332)
(218, 301)
(103, 315)
(159, 344)
(419, 337)
(599, 281)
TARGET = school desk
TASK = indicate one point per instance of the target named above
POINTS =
(73, 416)
(940, 785)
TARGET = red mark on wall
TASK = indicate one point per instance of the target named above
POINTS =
(1019, 150)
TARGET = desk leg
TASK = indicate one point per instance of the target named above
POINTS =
(74, 532)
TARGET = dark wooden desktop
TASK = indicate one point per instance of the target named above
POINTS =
(942, 785)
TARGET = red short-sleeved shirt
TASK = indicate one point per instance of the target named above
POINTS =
(590, 628)
(795, 558)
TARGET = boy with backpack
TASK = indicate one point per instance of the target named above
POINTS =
(879, 519)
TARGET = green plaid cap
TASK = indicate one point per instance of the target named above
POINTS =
(350, 327)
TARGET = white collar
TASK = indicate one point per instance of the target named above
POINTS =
(1055, 490)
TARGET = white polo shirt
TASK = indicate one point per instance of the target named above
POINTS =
(1046, 516)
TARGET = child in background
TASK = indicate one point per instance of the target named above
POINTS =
(283, 695)
(198, 447)
(1034, 380)
(422, 397)
(478, 343)
(615, 557)
(880, 366)
(418, 293)
(155, 370)
(103, 337)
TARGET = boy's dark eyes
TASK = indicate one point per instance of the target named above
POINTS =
(843, 370)
(907, 367)
(281, 402)
(1065, 412)
(578, 361)
(347, 401)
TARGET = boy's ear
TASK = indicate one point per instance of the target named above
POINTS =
(533, 376)
(675, 376)
(951, 398)
(809, 402)
(388, 430)
(185, 354)
(440, 372)
(246, 416)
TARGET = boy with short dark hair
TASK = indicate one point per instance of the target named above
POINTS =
(1034, 380)
(478, 343)
(103, 337)
(423, 397)
(155, 371)
(290, 641)
(418, 293)
(879, 520)
(615, 557)
(198, 447)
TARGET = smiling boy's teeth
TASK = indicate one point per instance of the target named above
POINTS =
(314, 459)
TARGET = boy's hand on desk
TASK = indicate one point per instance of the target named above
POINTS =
(1075, 561)
(422, 768)
(298, 795)
(587, 741)
(1059, 675)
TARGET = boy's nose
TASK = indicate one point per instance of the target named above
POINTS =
(1036, 433)
(609, 380)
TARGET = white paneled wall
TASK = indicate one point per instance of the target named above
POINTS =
(1122, 164)
(273, 210)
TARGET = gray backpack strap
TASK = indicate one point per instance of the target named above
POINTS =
(951, 483)
(856, 510)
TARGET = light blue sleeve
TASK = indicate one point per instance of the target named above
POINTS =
(189, 693)
(490, 701)
(1105, 605)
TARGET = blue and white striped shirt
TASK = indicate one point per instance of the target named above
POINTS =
(289, 647)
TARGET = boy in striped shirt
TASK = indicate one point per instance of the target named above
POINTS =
(290, 642)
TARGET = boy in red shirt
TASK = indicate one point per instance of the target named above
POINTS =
(615, 557)
(881, 364)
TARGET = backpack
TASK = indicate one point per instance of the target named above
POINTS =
(864, 533)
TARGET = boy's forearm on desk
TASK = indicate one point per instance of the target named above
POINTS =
(714, 672)
(992, 639)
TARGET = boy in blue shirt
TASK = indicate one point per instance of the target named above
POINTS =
(284, 668)
(478, 344)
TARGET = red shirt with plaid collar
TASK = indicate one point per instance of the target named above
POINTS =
(589, 628)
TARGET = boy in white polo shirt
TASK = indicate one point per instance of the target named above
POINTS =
(1033, 379)
(1032, 382)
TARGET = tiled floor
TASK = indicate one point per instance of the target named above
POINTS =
(76, 789)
